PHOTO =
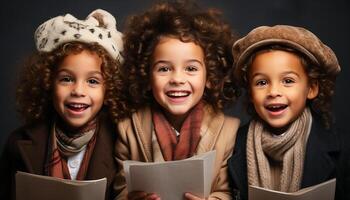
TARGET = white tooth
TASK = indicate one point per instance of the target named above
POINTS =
(177, 94)
(78, 105)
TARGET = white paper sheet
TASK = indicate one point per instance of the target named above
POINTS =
(322, 191)
(171, 179)
(32, 186)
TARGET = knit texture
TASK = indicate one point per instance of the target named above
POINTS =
(288, 149)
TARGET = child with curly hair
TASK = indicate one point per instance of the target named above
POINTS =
(289, 76)
(65, 92)
(177, 62)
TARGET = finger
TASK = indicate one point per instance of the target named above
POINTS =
(135, 195)
(190, 196)
(152, 196)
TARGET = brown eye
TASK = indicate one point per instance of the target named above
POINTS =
(191, 68)
(163, 69)
(93, 81)
(288, 81)
(66, 79)
(261, 82)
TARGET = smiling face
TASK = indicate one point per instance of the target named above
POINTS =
(178, 76)
(279, 87)
(79, 88)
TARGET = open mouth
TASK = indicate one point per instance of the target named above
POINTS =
(276, 107)
(178, 94)
(77, 107)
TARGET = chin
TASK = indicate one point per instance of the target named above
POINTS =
(277, 125)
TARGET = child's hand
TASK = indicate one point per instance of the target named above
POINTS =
(140, 195)
(190, 196)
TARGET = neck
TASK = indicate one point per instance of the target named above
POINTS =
(70, 130)
(277, 131)
(176, 121)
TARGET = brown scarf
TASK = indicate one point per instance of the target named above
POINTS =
(173, 148)
(287, 149)
(64, 143)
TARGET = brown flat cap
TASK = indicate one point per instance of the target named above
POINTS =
(297, 38)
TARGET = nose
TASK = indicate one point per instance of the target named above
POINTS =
(178, 78)
(274, 90)
(78, 90)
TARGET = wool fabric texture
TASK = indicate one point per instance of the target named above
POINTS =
(64, 145)
(297, 38)
(99, 27)
(174, 148)
(288, 149)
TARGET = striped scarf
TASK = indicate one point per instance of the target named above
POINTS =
(65, 143)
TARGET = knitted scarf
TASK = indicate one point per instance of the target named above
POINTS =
(288, 149)
(65, 143)
(174, 148)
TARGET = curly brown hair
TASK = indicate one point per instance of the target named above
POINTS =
(188, 23)
(321, 105)
(34, 92)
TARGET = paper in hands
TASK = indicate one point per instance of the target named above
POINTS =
(38, 187)
(171, 179)
(322, 191)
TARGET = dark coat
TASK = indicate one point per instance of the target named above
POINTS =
(26, 150)
(326, 158)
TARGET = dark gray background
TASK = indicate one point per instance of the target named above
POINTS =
(327, 19)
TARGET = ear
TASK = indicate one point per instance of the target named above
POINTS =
(105, 102)
(313, 90)
(207, 84)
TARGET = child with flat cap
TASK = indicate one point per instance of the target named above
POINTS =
(290, 143)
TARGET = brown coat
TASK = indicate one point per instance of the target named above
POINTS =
(218, 132)
(26, 151)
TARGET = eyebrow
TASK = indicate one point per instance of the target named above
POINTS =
(291, 72)
(283, 74)
(187, 61)
(195, 60)
(69, 71)
(161, 61)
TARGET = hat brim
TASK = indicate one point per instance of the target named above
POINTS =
(251, 49)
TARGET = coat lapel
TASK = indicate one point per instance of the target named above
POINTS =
(142, 122)
(322, 147)
(211, 126)
(237, 164)
(102, 163)
(33, 149)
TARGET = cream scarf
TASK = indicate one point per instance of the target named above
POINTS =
(288, 149)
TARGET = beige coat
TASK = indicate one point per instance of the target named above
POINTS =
(218, 132)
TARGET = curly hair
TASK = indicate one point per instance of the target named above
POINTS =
(187, 23)
(35, 88)
(320, 105)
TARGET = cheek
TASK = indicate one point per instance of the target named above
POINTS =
(58, 94)
(254, 96)
(99, 96)
(201, 82)
(157, 85)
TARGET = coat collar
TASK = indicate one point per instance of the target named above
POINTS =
(142, 121)
(33, 150)
(210, 128)
(102, 161)
(237, 165)
(321, 149)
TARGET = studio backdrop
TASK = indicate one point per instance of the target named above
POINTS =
(329, 20)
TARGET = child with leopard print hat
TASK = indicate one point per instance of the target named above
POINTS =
(67, 95)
